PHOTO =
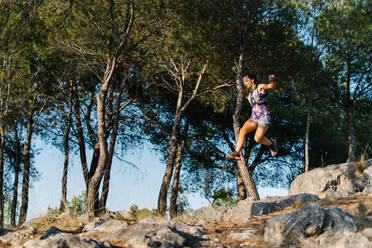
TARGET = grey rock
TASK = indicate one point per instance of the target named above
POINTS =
(242, 235)
(125, 214)
(367, 233)
(109, 226)
(342, 239)
(15, 237)
(208, 214)
(292, 228)
(333, 178)
(329, 194)
(310, 227)
(296, 201)
(152, 232)
(337, 219)
(55, 238)
(247, 208)
(110, 215)
(91, 226)
(51, 231)
(368, 189)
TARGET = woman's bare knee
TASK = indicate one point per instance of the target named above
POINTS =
(257, 138)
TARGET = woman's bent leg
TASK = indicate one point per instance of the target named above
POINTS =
(259, 136)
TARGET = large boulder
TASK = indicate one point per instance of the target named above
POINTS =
(293, 201)
(55, 238)
(14, 238)
(313, 226)
(334, 181)
(161, 233)
(292, 228)
(247, 208)
(208, 214)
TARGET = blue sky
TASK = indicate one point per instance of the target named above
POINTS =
(128, 185)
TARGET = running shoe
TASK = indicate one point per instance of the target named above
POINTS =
(233, 155)
(273, 148)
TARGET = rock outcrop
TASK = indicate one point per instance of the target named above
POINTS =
(313, 226)
(247, 208)
(55, 238)
(335, 181)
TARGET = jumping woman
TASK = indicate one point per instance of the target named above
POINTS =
(260, 119)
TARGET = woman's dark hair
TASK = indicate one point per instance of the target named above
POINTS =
(252, 76)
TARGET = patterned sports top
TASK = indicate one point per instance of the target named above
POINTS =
(258, 103)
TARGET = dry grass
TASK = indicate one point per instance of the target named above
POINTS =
(65, 222)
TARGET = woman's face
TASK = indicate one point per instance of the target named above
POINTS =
(248, 82)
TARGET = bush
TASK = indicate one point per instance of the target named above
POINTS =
(75, 207)
(139, 214)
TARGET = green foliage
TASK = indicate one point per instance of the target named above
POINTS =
(75, 207)
(224, 198)
(77, 204)
(139, 214)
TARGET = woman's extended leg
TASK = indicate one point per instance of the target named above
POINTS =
(248, 127)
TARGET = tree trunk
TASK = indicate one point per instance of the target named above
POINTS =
(26, 171)
(176, 178)
(2, 143)
(308, 124)
(115, 126)
(162, 199)
(66, 162)
(95, 181)
(17, 166)
(242, 193)
(350, 122)
(242, 168)
(80, 136)
(351, 138)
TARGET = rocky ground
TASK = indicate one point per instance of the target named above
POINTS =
(336, 211)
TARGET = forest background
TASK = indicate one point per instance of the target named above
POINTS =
(99, 79)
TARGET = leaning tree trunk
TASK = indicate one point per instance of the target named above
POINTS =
(66, 162)
(26, 171)
(2, 143)
(95, 181)
(176, 177)
(242, 168)
(17, 167)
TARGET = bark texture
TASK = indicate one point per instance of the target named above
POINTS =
(66, 148)
(241, 164)
(95, 181)
(173, 208)
(26, 171)
(17, 168)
